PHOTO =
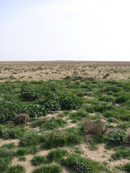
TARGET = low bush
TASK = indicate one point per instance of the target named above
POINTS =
(38, 160)
(16, 169)
(80, 164)
(117, 137)
(56, 155)
(31, 138)
(29, 93)
(126, 167)
(48, 169)
(93, 127)
(122, 99)
(70, 102)
(121, 153)
(4, 162)
(61, 138)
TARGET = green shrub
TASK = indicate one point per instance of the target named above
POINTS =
(106, 99)
(53, 123)
(38, 160)
(79, 115)
(122, 99)
(121, 153)
(80, 164)
(5, 153)
(16, 169)
(8, 146)
(20, 152)
(112, 88)
(56, 155)
(35, 110)
(48, 169)
(60, 139)
(117, 137)
(126, 167)
(29, 93)
(70, 102)
(97, 139)
(12, 133)
(4, 162)
(31, 138)
(8, 109)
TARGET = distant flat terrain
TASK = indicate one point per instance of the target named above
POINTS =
(49, 70)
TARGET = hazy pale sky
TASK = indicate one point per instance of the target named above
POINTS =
(42, 30)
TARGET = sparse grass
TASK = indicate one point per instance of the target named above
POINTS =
(56, 155)
(8, 146)
(16, 169)
(48, 169)
(38, 160)
(109, 99)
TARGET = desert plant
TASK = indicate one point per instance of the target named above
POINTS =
(93, 127)
(122, 152)
(9, 146)
(38, 160)
(117, 137)
(16, 169)
(80, 164)
(70, 102)
(122, 99)
(29, 93)
(56, 155)
(61, 138)
(126, 167)
(30, 138)
(48, 169)
(21, 119)
(4, 162)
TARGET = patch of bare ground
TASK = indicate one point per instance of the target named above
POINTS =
(15, 141)
(27, 163)
(59, 69)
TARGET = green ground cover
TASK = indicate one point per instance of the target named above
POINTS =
(92, 100)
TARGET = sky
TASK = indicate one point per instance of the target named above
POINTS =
(80, 30)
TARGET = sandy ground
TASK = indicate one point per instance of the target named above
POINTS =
(10, 71)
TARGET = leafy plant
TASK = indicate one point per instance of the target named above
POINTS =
(48, 169)
(80, 164)
(117, 137)
(29, 93)
(16, 169)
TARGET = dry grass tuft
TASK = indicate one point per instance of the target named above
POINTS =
(128, 138)
(92, 127)
(21, 119)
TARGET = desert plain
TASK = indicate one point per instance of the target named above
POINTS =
(59, 70)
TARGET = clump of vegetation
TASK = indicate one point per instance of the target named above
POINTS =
(21, 119)
(122, 99)
(80, 164)
(38, 160)
(29, 93)
(30, 138)
(93, 127)
(56, 155)
(4, 162)
(8, 146)
(126, 167)
(16, 169)
(122, 152)
(48, 169)
(61, 138)
(117, 137)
